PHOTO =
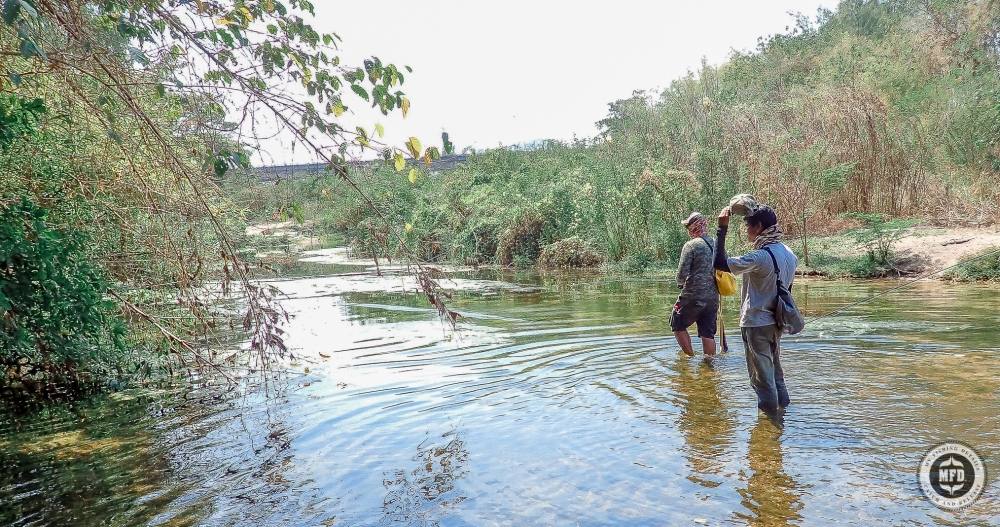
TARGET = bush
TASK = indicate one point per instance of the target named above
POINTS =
(520, 242)
(638, 262)
(521, 261)
(571, 252)
(984, 266)
(58, 331)
(878, 235)
(865, 266)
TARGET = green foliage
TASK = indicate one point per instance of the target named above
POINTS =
(887, 109)
(56, 324)
(865, 266)
(138, 137)
(638, 262)
(446, 145)
(982, 266)
(878, 234)
(18, 117)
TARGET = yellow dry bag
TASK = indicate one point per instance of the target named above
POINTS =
(726, 283)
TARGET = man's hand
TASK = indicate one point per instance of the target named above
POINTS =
(724, 217)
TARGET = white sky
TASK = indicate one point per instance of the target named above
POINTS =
(511, 72)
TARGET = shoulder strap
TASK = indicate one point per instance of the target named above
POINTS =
(710, 246)
(777, 272)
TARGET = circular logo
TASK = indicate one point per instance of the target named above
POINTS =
(952, 475)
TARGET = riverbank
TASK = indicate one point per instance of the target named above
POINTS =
(915, 250)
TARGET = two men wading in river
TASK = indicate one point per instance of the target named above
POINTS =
(759, 296)
(699, 298)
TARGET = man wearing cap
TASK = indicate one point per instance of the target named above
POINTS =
(759, 297)
(699, 298)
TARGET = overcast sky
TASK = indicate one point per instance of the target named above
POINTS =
(509, 72)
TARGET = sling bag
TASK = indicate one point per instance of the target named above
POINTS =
(786, 315)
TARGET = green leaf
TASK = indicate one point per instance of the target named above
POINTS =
(380, 130)
(11, 8)
(413, 176)
(360, 91)
(399, 162)
(220, 167)
(30, 49)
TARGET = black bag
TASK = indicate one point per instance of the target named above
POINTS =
(786, 315)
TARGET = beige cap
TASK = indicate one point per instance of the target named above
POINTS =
(695, 216)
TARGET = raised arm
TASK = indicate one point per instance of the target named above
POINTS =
(721, 259)
(748, 263)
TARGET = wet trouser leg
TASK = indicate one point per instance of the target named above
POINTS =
(763, 352)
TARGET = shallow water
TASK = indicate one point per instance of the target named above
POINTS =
(566, 406)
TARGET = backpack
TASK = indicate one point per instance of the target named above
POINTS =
(725, 281)
(786, 315)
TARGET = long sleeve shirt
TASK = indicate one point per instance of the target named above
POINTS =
(759, 289)
(695, 275)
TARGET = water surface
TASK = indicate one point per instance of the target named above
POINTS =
(570, 405)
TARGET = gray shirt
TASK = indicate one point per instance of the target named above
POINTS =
(759, 292)
(695, 274)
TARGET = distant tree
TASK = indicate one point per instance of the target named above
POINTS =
(447, 146)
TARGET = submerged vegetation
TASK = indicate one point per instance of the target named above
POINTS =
(879, 110)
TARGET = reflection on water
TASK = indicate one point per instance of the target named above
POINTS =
(566, 406)
(706, 421)
(771, 496)
(419, 496)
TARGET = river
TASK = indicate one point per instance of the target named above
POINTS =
(565, 402)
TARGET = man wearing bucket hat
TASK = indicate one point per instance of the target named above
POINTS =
(699, 297)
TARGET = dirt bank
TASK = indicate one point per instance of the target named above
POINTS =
(945, 247)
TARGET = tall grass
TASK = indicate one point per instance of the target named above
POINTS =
(888, 108)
